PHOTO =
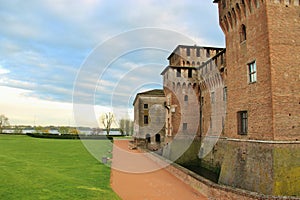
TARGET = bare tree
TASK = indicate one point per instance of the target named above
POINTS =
(107, 120)
(126, 126)
(122, 126)
(3, 122)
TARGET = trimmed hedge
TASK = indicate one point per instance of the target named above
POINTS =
(72, 136)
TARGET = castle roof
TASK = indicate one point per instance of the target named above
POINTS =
(150, 93)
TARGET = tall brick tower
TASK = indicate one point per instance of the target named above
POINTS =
(263, 66)
(262, 129)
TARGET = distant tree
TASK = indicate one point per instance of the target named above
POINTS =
(3, 122)
(107, 120)
(126, 126)
(18, 130)
(74, 131)
(127, 129)
(131, 127)
(38, 129)
(122, 126)
(63, 130)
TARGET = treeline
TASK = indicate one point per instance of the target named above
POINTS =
(73, 136)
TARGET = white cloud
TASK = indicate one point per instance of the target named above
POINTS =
(3, 71)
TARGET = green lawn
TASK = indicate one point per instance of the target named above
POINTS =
(32, 168)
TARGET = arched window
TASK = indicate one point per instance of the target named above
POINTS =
(188, 63)
(186, 97)
(243, 33)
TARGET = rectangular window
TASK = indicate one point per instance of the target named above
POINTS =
(190, 73)
(178, 72)
(198, 52)
(188, 51)
(184, 126)
(207, 53)
(225, 94)
(242, 122)
(145, 106)
(252, 72)
(146, 119)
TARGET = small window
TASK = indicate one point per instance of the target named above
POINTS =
(184, 126)
(178, 72)
(198, 52)
(225, 94)
(190, 73)
(252, 72)
(207, 53)
(242, 122)
(145, 106)
(243, 36)
(188, 51)
(186, 97)
(146, 119)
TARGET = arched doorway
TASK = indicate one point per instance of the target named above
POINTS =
(148, 138)
(157, 138)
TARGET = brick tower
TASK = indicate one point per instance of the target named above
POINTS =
(263, 88)
(263, 65)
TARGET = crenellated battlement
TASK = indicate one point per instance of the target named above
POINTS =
(234, 12)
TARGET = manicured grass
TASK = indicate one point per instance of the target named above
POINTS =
(32, 168)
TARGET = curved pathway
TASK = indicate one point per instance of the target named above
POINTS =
(150, 183)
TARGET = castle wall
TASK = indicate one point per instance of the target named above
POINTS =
(284, 31)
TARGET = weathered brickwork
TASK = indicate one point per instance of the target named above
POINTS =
(247, 96)
(266, 158)
(149, 104)
(272, 41)
(182, 89)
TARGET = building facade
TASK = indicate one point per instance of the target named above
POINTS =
(259, 149)
(182, 89)
(248, 97)
(241, 104)
(149, 116)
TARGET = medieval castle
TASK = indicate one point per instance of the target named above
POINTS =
(241, 104)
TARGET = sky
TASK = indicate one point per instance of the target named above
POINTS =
(65, 62)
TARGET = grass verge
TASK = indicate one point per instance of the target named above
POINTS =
(32, 168)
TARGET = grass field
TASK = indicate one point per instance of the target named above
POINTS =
(32, 168)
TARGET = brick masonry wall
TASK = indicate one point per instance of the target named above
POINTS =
(284, 31)
(242, 95)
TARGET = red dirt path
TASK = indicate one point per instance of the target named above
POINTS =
(150, 183)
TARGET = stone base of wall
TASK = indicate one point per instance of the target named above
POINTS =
(210, 189)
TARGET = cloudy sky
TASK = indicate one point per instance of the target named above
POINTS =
(65, 62)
